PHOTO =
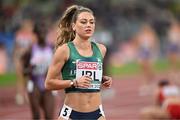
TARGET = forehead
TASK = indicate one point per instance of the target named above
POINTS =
(85, 15)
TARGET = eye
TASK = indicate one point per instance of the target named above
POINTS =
(92, 22)
(83, 22)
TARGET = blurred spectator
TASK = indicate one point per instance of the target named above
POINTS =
(4, 59)
(167, 102)
(36, 62)
(24, 39)
(147, 45)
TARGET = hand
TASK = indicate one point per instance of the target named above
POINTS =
(106, 81)
(83, 82)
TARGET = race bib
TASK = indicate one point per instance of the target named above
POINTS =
(92, 69)
(66, 112)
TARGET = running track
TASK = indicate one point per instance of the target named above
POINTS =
(122, 102)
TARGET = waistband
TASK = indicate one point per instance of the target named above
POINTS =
(67, 112)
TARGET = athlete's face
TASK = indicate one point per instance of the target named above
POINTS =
(84, 25)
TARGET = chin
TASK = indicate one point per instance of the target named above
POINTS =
(86, 37)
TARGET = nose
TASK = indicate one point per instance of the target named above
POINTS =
(88, 24)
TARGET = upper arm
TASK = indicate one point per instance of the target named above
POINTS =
(102, 49)
(60, 57)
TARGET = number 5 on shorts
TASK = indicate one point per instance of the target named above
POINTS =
(65, 112)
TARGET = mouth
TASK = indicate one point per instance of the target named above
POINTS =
(88, 30)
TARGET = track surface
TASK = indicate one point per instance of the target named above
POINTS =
(121, 102)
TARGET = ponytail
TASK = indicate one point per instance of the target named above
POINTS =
(66, 33)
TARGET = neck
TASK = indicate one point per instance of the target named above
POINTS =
(82, 43)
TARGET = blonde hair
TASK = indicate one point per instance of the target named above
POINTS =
(66, 32)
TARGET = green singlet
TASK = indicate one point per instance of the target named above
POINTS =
(78, 65)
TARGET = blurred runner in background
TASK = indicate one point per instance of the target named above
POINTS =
(147, 45)
(173, 51)
(36, 62)
(24, 39)
(174, 45)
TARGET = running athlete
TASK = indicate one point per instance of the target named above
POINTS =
(36, 61)
(174, 45)
(77, 66)
(24, 39)
(173, 50)
(147, 45)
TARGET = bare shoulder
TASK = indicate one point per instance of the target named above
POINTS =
(102, 48)
(62, 52)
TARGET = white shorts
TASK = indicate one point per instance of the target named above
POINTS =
(67, 112)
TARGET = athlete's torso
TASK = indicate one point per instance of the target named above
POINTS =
(78, 65)
(40, 60)
(79, 99)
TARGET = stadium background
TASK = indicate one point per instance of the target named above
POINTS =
(117, 23)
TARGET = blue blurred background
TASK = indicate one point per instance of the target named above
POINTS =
(118, 21)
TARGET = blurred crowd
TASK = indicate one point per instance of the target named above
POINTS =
(125, 26)
(133, 30)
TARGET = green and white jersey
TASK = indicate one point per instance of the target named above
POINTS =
(78, 65)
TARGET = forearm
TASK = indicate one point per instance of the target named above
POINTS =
(56, 84)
